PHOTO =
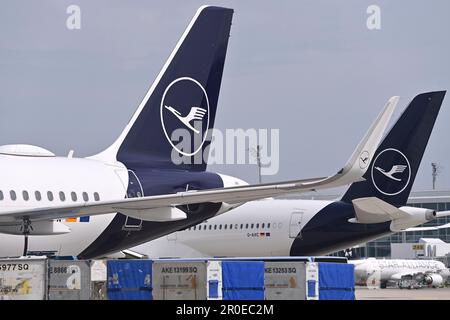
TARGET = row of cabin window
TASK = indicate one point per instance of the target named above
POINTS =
(236, 226)
(50, 197)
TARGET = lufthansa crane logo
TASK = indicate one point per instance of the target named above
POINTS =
(195, 113)
(391, 172)
(185, 106)
(395, 169)
(364, 159)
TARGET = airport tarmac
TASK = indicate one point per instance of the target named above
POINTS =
(402, 294)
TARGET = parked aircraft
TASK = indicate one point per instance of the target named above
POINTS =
(133, 191)
(379, 271)
(368, 210)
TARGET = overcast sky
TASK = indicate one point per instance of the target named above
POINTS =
(311, 69)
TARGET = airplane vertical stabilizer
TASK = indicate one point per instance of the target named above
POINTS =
(179, 109)
(394, 166)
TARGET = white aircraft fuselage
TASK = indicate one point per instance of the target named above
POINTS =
(48, 177)
(259, 228)
(31, 182)
(271, 227)
(394, 269)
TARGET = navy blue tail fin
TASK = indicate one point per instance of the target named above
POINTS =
(394, 167)
(170, 127)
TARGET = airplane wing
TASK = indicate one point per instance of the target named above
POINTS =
(398, 276)
(418, 275)
(144, 207)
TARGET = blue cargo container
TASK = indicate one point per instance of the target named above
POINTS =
(336, 281)
(243, 280)
(129, 279)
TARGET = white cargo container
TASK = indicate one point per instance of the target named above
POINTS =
(69, 280)
(312, 281)
(285, 280)
(23, 278)
(214, 280)
(98, 280)
(181, 280)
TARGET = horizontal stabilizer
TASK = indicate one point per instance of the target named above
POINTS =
(373, 210)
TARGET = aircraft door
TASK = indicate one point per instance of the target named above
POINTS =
(134, 190)
(295, 224)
